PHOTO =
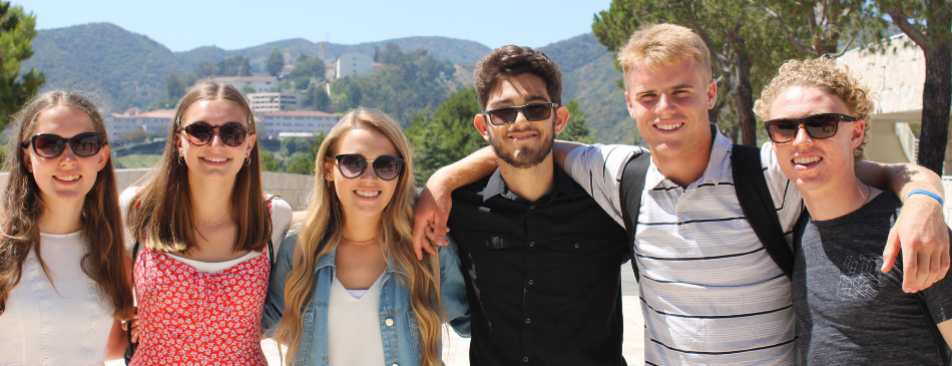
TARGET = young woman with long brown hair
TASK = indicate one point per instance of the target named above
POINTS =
(63, 274)
(353, 290)
(204, 226)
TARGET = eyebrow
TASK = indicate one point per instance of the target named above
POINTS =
(676, 87)
(530, 98)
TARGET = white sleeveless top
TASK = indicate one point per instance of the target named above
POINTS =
(68, 325)
(353, 327)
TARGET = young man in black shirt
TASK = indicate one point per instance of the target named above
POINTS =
(541, 260)
(848, 311)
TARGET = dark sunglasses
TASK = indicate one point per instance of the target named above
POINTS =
(818, 126)
(50, 145)
(201, 133)
(353, 165)
(533, 112)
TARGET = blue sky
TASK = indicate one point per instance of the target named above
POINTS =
(184, 25)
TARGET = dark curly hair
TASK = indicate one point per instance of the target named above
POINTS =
(514, 61)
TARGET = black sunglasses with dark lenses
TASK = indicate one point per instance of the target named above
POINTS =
(353, 165)
(201, 133)
(532, 112)
(818, 126)
(50, 145)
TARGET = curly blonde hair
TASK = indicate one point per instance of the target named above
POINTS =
(824, 74)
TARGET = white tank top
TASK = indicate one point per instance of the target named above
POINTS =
(353, 327)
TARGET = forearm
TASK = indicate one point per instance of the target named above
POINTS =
(900, 178)
(467, 170)
(946, 329)
(117, 343)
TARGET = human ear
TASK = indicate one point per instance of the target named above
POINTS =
(711, 94)
(858, 134)
(103, 157)
(480, 123)
(562, 118)
(329, 169)
(252, 140)
(631, 111)
(27, 160)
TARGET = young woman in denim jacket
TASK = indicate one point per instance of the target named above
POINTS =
(354, 251)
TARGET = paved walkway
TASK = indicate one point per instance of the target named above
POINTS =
(456, 349)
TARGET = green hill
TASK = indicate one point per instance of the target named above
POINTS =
(128, 70)
(589, 76)
(125, 68)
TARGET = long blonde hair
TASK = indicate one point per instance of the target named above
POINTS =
(101, 217)
(321, 233)
(160, 212)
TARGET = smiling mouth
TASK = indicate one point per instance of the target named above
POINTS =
(807, 160)
(668, 126)
(67, 178)
(368, 194)
(216, 160)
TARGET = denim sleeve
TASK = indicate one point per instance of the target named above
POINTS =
(274, 303)
(453, 290)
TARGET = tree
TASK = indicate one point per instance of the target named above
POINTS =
(248, 89)
(275, 62)
(446, 136)
(268, 162)
(309, 67)
(317, 98)
(819, 28)
(16, 35)
(233, 66)
(207, 68)
(745, 50)
(928, 23)
(306, 164)
(575, 129)
(291, 145)
(174, 85)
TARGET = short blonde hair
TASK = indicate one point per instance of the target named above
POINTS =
(664, 44)
(824, 74)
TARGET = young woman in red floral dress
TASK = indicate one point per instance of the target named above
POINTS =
(203, 225)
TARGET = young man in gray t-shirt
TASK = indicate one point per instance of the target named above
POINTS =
(848, 311)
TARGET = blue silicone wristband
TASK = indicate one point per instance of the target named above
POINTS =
(927, 193)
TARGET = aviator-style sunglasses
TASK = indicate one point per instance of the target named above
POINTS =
(818, 126)
(200, 133)
(50, 145)
(353, 165)
(533, 112)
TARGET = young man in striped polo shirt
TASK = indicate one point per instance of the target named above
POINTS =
(711, 295)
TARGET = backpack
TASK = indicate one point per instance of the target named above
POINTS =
(752, 193)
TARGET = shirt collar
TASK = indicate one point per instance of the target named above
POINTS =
(563, 185)
(713, 173)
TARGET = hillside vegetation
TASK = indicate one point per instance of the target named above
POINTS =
(127, 70)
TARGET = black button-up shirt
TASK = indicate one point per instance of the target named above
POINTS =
(543, 278)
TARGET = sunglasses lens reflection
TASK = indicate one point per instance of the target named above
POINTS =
(48, 146)
(387, 167)
(351, 166)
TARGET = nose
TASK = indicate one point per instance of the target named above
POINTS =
(67, 157)
(369, 172)
(802, 138)
(664, 103)
(216, 139)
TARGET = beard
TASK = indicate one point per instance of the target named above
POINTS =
(528, 156)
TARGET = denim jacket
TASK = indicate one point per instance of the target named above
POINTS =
(398, 326)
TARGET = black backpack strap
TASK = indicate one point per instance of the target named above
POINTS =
(271, 252)
(632, 186)
(758, 206)
(940, 343)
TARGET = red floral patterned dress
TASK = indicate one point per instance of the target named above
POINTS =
(188, 317)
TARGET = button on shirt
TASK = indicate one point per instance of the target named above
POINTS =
(710, 292)
(543, 278)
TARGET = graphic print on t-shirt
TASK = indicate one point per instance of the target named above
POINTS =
(859, 278)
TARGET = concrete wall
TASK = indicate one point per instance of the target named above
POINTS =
(897, 76)
(293, 188)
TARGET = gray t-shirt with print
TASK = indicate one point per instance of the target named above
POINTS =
(848, 311)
